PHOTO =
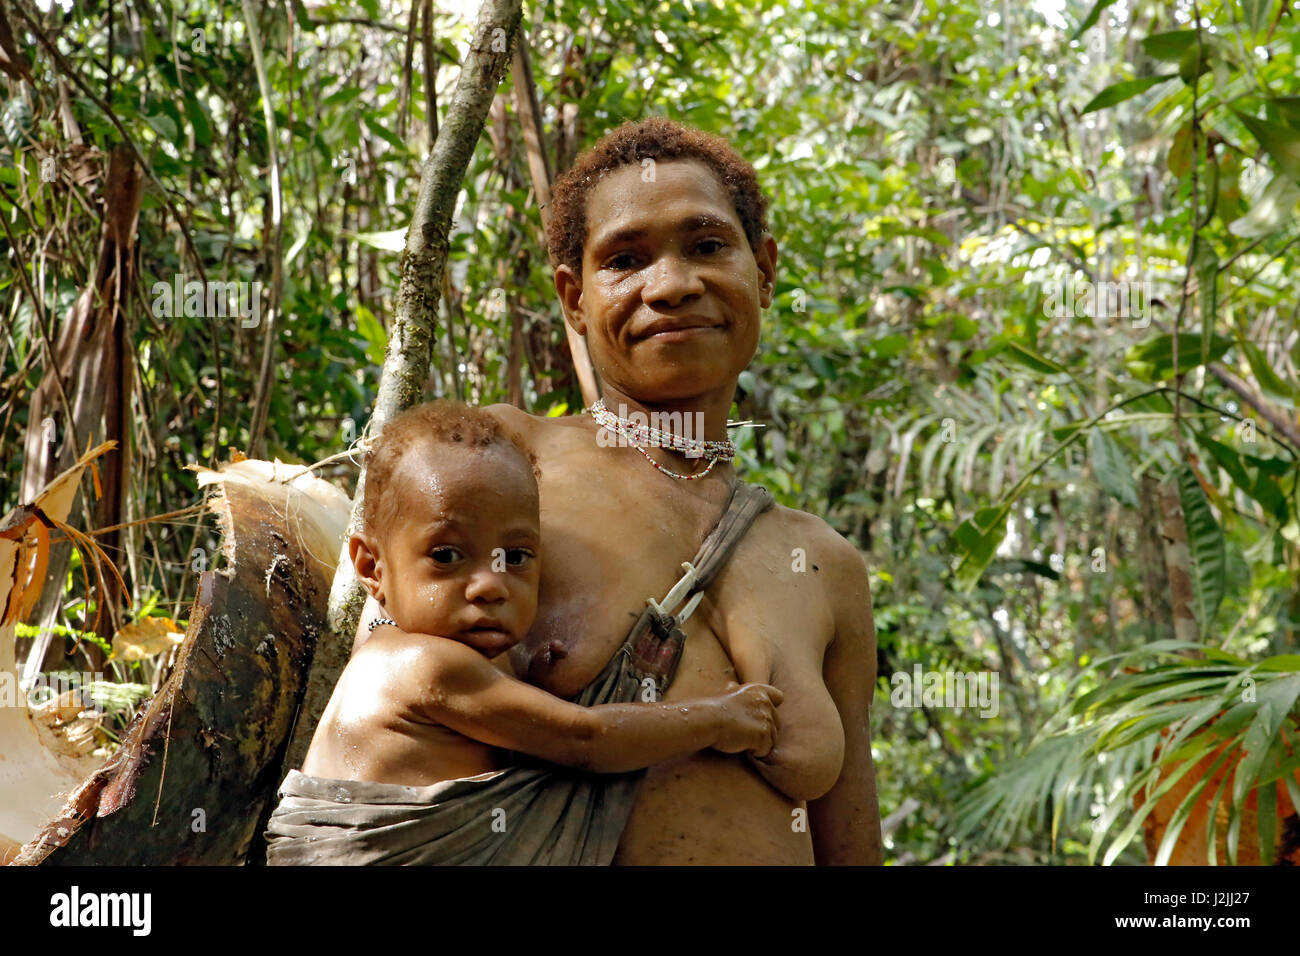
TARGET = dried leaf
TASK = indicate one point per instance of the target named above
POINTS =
(143, 639)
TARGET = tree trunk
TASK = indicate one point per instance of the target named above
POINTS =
(194, 777)
(530, 123)
(1151, 559)
(1178, 562)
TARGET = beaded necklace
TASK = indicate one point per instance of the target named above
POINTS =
(638, 436)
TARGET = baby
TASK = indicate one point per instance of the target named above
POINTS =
(450, 547)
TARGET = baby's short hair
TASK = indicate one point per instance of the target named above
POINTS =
(443, 422)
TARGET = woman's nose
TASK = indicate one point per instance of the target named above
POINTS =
(672, 281)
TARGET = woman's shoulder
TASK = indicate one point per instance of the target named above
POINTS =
(816, 533)
(536, 428)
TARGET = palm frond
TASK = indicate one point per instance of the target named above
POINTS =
(1131, 738)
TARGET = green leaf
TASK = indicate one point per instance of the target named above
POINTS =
(1269, 382)
(1170, 46)
(1288, 107)
(1155, 357)
(198, 120)
(1292, 789)
(1023, 355)
(1125, 90)
(1206, 544)
(345, 94)
(1228, 460)
(1092, 18)
(1275, 701)
(164, 127)
(1023, 566)
(1112, 468)
(1255, 13)
(373, 332)
(888, 346)
(17, 121)
(1266, 816)
(387, 135)
(963, 328)
(1211, 823)
(1271, 210)
(979, 537)
(1177, 821)
(1147, 777)
(1282, 143)
(1130, 830)
(1194, 62)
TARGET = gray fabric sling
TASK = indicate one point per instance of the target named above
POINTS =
(530, 813)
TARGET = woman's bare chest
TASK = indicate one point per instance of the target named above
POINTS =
(603, 555)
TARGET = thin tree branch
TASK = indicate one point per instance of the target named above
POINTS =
(266, 379)
(1257, 402)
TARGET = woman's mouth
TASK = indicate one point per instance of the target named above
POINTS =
(680, 329)
(682, 334)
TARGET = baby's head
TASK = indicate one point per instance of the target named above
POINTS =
(450, 535)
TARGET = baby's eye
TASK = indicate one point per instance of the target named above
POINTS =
(445, 555)
(518, 557)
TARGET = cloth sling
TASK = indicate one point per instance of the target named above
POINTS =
(530, 813)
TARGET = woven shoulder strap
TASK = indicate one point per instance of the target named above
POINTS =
(656, 640)
(746, 503)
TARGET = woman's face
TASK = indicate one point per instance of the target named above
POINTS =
(671, 293)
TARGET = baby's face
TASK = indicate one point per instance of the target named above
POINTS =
(459, 555)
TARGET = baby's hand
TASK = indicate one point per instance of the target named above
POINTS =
(749, 720)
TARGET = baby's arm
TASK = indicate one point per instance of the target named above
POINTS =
(457, 687)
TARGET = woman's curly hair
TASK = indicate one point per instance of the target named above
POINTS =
(659, 139)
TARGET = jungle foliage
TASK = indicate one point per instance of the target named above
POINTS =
(1035, 314)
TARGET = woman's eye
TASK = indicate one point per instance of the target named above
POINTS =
(622, 261)
(445, 555)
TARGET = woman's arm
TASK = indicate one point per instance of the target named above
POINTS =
(457, 687)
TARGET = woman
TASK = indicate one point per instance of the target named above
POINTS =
(663, 263)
